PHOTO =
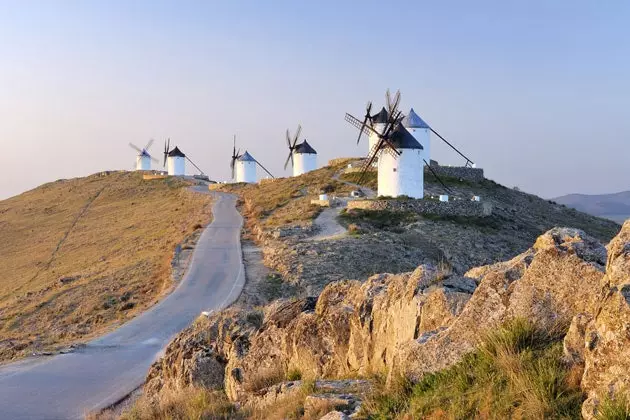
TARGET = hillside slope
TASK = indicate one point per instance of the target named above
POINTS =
(79, 256)
(611, 206)
(280, 217)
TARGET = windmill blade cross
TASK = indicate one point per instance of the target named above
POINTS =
(297, 134)
(149, 144)
(289, 158)
(136, 148)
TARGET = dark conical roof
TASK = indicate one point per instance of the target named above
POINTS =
(304, 148)
(144, 153)
(403, 139)
(246, 157)
(176, 152)
(381, 117)
(413, 120)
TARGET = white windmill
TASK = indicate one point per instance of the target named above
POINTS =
(302, 156)
(175, 160)
(143, 158)
(244, 166)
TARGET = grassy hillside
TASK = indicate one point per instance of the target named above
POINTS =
(80, 256)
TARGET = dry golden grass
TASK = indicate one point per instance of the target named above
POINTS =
(286, 201)
(181, 404)
(112, 236)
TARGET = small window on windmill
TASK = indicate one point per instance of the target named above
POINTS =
(394, 169)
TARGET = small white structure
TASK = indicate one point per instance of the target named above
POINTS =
(379, 121)
(421, 132)
(323, 197)
(176, 162)
(476, 198)
(143, 161)
(444, 198)
(246, 168)
(401, 174)
(304, 159)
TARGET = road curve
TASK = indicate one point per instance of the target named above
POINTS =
(67, 386)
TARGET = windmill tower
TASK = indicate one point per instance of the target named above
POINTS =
(401, 173)
(244, 166)
(420, 130)
(302, 156)
(175, 161)
(143, 159)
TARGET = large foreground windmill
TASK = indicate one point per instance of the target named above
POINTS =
(302, 156)
(400, 156)
(143, 158)
(175, 160)
(243, 166)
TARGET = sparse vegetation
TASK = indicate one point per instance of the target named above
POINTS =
(370, 179)
(383, 219)
(183, 404)
(286, 201)
(614, 409)
(517, 373)
(81, 255)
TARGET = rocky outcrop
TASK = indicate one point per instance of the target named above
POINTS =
(549, 284)
(354, 328)
(198, 355)
(606, 339)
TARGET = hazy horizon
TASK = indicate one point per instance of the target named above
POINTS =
(535, 93)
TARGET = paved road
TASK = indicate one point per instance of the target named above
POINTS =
(67, 386)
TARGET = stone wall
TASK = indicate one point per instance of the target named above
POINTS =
(450, 208)
(459, 172)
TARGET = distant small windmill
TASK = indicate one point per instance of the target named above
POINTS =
(175, 160)
(243, 166)
(143, 159)
(302, 156)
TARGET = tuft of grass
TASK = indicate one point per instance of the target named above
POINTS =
(264, 378)
(294, 375)
(614, 409)
(183, 404)
(517, 372)
(370, 179)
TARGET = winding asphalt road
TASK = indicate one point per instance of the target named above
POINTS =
(67, 386)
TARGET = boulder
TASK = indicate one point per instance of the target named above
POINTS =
(607, 337)
(556, 279)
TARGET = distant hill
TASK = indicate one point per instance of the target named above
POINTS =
(610, 206)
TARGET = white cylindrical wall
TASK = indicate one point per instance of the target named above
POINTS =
(176, 165)
(423, 135)
(143, 163)
(245, 171)
(304, 162)
(401, 175)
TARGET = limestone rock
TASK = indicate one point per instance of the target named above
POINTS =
(607, 337)
(335, 415)
(549, 284)
(353, 329)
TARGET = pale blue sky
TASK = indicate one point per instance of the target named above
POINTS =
(536, 92)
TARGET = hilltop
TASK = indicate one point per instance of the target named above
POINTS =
(611, 206)
(80, 256)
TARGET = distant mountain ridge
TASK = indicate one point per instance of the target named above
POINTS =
(614, 206)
